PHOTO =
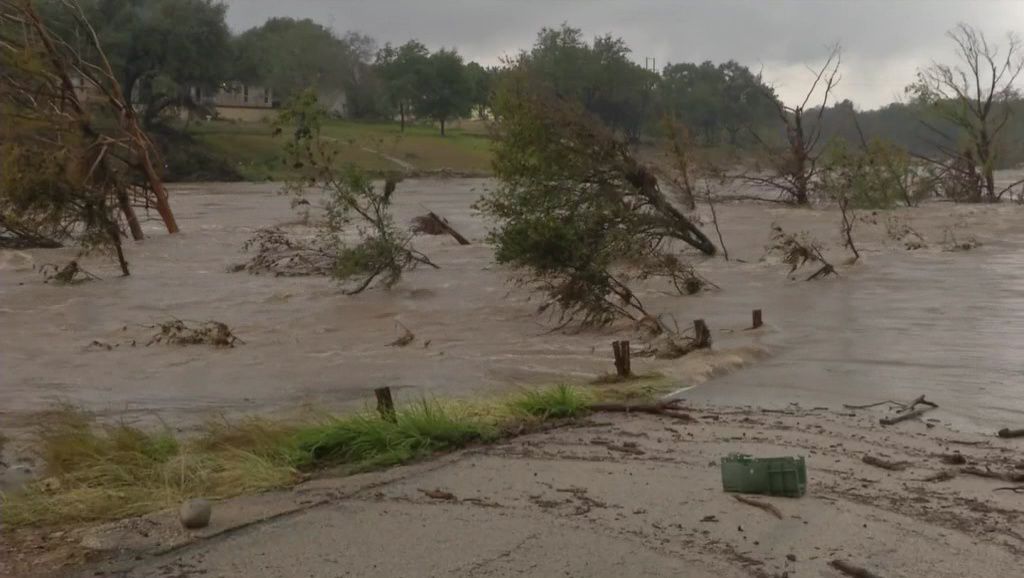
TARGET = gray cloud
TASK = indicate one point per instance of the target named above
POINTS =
(883, 41)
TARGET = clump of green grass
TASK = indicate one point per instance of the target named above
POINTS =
(558, 402)
(100, 472)
(368, 441)
(645, 387)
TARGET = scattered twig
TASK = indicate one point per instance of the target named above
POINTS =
(851, 570)
(885, 464)
(438, 494)
(668, 408)
(759, 504)
(871, 405)
(911, 412)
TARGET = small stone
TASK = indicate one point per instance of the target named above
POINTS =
(49, 485)
(195, 513)
(791, 557)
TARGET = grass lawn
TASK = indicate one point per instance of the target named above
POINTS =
(256, 153)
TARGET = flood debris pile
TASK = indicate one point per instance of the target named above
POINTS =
(177, 332)
(356, 241)
(277, 253)
(70, 274)
(797, 250)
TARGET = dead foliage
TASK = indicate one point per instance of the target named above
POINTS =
(277, 253)
(898, 229)
(796, 250)
(952, 243)
(70, 274)
(178, 332)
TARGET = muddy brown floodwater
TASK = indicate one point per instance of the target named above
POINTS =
(898, 324)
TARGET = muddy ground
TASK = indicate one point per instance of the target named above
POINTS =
(614, 496)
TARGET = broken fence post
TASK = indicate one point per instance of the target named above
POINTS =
(757, 318)
(385, 404)
(621, 351)
(701, 334)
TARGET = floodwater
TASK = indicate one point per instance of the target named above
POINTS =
(897, 324)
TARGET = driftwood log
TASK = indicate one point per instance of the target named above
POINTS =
(1011, 433)
(911, 412)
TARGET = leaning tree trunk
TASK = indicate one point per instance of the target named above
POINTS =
(125, 204)
(667, 216)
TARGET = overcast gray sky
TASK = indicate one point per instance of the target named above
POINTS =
(884, 41)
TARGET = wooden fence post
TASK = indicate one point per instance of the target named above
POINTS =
(702, 335)
(621, 351)
(757, 319)
(385, 404)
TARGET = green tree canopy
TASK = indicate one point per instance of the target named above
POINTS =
(401, 70)
(158, 48)
(444, 89)
(289, 56)
(599, 75)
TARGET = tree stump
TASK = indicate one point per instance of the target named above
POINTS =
(622, 363)
(385, 404)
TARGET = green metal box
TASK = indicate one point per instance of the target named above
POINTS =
(772, 476)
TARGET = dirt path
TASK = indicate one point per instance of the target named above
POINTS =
(618, 496)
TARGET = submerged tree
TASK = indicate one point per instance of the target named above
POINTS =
(382, 251)
(71, 166)
(975, 97)
(795, 167)
(575, 211)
